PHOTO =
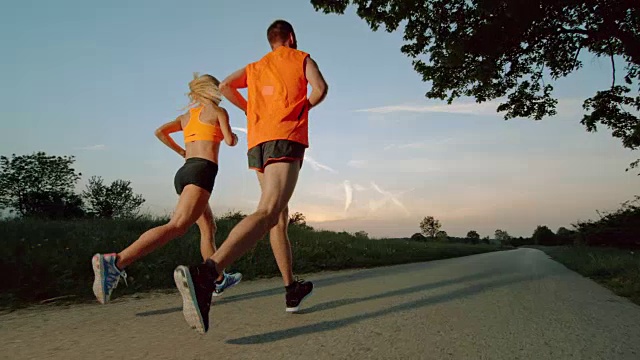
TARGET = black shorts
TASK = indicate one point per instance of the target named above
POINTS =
(196, 171)
(275, 151)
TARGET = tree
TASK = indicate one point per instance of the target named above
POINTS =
(418, 237)
(503, 237)
(297, 218)
(361, 234)
(495, 49)
(442, 235)
(39, 185)
(430, 226)
(473, 236)
(114, 201)
(565, 236)
(234, 216)
(542, 235)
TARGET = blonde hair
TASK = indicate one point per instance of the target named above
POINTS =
(204, 88)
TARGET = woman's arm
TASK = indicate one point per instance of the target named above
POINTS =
(163, 132)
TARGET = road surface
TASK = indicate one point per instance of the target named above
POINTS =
(516, 304)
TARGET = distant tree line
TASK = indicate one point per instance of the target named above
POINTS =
(43, 186)
(620, 228)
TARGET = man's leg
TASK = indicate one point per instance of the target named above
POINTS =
(278, 185)
(194, 282)
(280, 244)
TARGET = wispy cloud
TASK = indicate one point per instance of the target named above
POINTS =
(358, 164)
(388, 196)
(423, 144)
(566, 106)
(240, 129)
(348, 192)
(92, 147)
(459, 108)
(358, 187)
(317, 165)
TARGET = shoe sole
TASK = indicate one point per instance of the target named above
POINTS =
(297, 308)
(228, 287)
(98, 281)
(190, 308)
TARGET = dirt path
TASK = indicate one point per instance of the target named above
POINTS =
(506, 305)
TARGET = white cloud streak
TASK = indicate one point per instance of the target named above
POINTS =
(348, 192)
(461, 108)
(93, 147)
(317, 166)
(388, 196)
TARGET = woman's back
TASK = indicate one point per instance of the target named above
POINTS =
(202, 132)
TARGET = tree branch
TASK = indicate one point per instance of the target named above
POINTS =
(613, 65)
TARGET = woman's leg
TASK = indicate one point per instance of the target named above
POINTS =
(191, 205)
(207, 225)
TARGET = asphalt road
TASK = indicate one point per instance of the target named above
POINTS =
(515, 304)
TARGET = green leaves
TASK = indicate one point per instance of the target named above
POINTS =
(38, 183)
(114, 201)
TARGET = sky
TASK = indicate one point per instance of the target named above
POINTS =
(95, 79)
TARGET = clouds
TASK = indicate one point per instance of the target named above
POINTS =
(565, 106)
(97, 147)
(459, 108)
(317, 166)
(348, 195)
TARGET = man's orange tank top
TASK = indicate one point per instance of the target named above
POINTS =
(277, 107)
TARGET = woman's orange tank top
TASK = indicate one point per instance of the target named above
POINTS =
(197, 130)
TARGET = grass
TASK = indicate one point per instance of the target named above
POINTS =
(616, 269)
(48, 259)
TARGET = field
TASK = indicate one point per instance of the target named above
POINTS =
(49, 259)
(617, 269)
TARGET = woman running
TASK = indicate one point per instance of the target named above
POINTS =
(204, 127)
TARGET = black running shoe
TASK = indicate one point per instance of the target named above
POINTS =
(196, 284)
(297, 292)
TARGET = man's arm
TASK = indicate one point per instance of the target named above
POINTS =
(319, 87)
(163, 132)
(229, 88)
(229, 137)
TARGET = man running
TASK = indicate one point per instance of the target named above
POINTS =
(277, 135)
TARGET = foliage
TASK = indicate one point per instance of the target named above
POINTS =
(39, 185)
(617, 269)
(442, 235)
(47, 259)
(504, 49)
(542, 235)
(473, 236)
(503, 237)
(430, 226)
(114, 201)
(620, 228)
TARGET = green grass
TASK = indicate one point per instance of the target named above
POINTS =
(46, 259)
(616, 269)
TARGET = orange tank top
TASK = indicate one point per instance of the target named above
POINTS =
(197, 130)
(277, 107)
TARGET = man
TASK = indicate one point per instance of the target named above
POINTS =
(277, 136)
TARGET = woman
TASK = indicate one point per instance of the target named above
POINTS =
(205, 125)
